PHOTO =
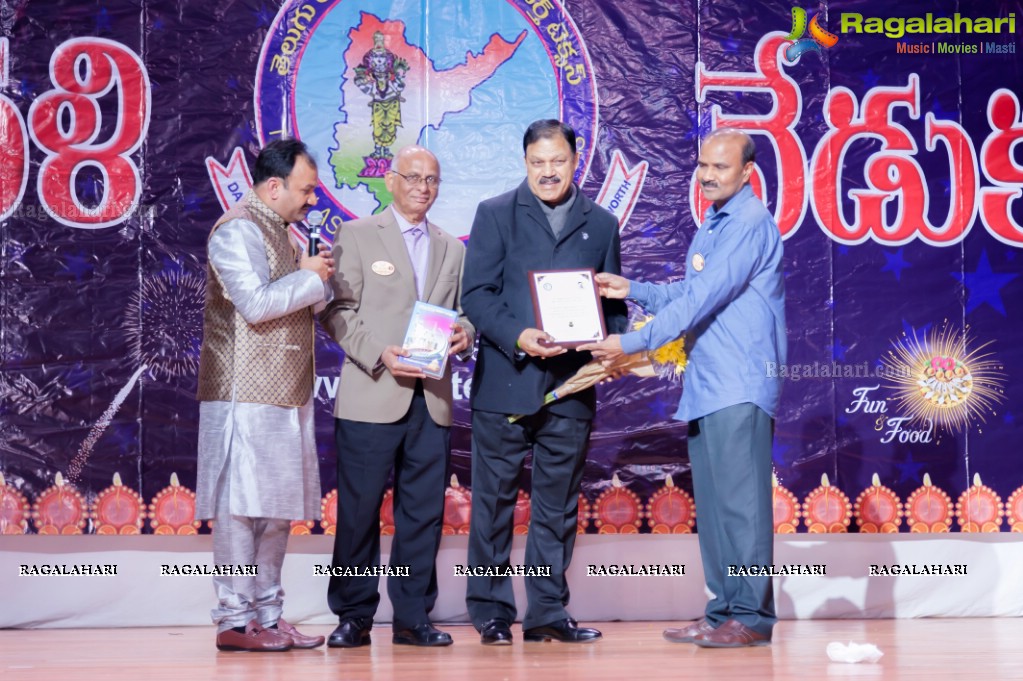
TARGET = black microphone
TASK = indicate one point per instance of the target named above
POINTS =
(314, 219)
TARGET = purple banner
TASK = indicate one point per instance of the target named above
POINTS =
(888, 151)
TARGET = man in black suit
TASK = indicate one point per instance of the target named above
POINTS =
(544, 224)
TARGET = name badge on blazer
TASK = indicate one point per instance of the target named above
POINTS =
(383, 268)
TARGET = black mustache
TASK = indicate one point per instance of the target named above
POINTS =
(550, 180)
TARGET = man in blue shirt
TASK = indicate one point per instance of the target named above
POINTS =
(731, 306)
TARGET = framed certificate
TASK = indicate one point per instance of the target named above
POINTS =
(428, 338)
(567, 306)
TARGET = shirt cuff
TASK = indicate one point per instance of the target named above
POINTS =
(640, 291)
(634, 342)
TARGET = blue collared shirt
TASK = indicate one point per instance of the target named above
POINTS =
(731, 306)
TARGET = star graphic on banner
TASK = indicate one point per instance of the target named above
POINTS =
(838, 351)
(895, 263)
(699, 125)
(983, 285)
(730, 45)
(870, 79)
(263, 16)
(77, 377)
(26, 89)
(88, 188)
(158, 25)
(940, 112)
(171, 266)
(842, 249)
(245, 133)
(78, 265)
(102, 20)
(909, 470)
(234, 84)
(124, 436)
(842, 420)
(16, 253)
(648, 230)
(660, 408)
(1008, 419)
(192, 202)
(783, 455)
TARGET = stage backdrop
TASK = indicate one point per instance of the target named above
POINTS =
(888, 150)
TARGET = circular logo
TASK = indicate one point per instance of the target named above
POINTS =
(356, 81)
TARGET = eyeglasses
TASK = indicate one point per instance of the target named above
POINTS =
(414, 180)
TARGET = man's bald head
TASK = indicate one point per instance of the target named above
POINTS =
(413, 180)
(725, 164)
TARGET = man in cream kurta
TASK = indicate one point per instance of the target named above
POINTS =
(257, 453)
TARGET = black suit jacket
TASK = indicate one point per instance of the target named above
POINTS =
(511, 236)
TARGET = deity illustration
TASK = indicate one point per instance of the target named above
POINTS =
(381, 75)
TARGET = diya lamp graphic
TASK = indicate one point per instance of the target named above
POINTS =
(786, 508)
(979, 509)
(585, 509)
(60, 509)
(878, 509)
(172, 510)
(670, 510)
(1014, 510)
(118, 510)
(163, 321)
(827, 509)
(522, 514)
(457, 508)
(928, 508)
(328, 513)
(617, 510)
(14, 509)
(302, 527)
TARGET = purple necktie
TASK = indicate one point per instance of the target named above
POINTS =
(419, 253)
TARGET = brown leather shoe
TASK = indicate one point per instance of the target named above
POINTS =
(299, 640)
(688, 633)
(255, 639)
(731, 634)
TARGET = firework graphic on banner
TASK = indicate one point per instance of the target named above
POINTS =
(164, 326)
(941, 379)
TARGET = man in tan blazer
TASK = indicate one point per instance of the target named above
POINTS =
(389, 414)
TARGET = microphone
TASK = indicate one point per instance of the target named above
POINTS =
(314, 219)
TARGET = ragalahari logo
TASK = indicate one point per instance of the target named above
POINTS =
(801, 44)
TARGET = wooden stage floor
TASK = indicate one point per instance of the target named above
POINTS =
(988, 649)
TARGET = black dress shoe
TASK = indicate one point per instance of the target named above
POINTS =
(496, 633)
(421, 635)
(351, 633)
(566, 631)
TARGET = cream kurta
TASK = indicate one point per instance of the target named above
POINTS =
(264, 454)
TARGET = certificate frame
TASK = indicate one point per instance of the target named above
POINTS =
(567, 305)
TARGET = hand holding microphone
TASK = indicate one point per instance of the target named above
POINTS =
(317, 257)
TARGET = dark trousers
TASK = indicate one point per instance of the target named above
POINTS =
(730, 455)
(499, 450)
(417, 449)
